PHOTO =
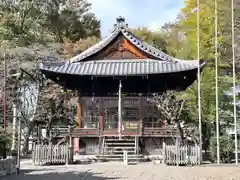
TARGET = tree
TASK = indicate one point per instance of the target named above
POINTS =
(72, 21)
(5, 143)
(20, 22)
(226, 148)
(54, 105)
(23, 90)
(154, 38)
(170, 108)
(25, 22)
(175, 40)
(32, 29)
(73, 48)
(186, 48)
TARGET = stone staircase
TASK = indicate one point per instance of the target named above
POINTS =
(113, 149)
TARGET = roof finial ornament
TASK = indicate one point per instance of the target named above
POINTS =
(121, 23)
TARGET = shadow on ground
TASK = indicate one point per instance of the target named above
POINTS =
(49, 175)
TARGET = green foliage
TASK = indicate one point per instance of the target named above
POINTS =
(208, 96)
(154, 38)
(26, 22)
(5, 142)
(73, 48)
(37, 29)
(181, 38)
(187, 24)
(226, 148)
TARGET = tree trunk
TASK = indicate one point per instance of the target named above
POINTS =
(27, 132)
(49, 131)
(180, 131)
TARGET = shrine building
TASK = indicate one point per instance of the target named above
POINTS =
(114, 78)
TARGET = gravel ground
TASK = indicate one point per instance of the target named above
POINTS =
(107, 171)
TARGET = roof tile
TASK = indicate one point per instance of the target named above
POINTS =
(122, 67)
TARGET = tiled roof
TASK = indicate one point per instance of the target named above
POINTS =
(147, 48)
(121, 67)
(160, 62)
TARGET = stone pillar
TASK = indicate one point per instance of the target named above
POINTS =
(164, 152)
(125, 157)
(70, 146)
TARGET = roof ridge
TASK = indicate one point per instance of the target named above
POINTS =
(146, 47)
(96, 47)
(123, 60)
(122, 27)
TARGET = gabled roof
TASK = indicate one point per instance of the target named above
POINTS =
(121, 28)
(159, 62)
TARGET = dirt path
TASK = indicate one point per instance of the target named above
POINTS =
(107, 171)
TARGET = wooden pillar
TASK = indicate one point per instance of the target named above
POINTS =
(79, 116)
(101, 109)
(101, 123)
(79, 111)
(141, 115)
(101, 126)
(120, 110)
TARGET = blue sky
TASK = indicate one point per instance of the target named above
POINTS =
(150, 13)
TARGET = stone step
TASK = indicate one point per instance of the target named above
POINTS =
(133, 162)
(117, 154)
(115, 140)
(115, 159)
(121, 151)
(135, 159)
(120, 143)
(119, 147)
(121, 158)
(121, 155)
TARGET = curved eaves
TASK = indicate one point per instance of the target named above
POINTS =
(126, 67)
(145, 47)
(95, 48)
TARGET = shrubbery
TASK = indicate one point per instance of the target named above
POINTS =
(226, 148)
(5, 144)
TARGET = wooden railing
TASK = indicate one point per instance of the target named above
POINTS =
(97, 128)
(125, 132)
(128, 129)
(47, 154)
(181, 155)
(78, 132)
(95, 132)
(163, 132)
